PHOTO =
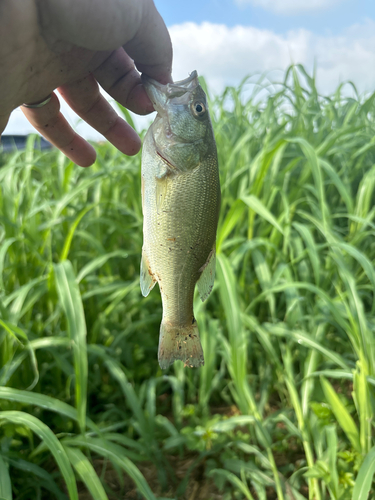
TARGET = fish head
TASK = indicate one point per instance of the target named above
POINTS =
(182, 129)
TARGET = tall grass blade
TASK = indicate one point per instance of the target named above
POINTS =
(257, 205)
(332, 460)
(342, 415)
(32, 469)
(365, 476)
(229, 476)
(5, 482)
(71, 302)
(114, 453)
(95, 264)
(69, 237)
(51, 442)
(86, 473)
(43, 401)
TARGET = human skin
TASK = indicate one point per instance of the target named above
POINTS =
(74, 46)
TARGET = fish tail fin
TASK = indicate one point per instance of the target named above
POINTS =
(180, 342)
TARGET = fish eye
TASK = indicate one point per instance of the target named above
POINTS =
(199, 109)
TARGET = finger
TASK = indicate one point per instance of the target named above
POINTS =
(3, 122)
(98, 25)
(86, 100)
(53, 126)
(151, 47)
(92, 24)
(118, 76)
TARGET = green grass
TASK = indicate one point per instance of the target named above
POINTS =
(284, 406)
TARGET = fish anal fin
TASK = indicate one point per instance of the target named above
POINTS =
(207, 278)
(147, 278)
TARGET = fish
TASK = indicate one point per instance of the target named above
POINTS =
(180, 204)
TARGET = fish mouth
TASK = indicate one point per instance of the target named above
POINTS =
(171, 87)
(159, 93)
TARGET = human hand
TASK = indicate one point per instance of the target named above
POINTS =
(74, 46)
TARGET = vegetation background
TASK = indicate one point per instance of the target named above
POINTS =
(284, 406)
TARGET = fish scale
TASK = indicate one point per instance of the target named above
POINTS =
(180, 201)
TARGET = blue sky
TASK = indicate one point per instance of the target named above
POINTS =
(332, 20)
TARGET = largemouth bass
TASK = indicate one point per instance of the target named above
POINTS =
(180, 203)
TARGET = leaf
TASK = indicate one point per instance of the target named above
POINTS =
(5, 482)
(13, 330)
(342, 415)
(70, 298)
(264, 276)
(43, 401)
(86, 473)
(230, 222)
(255, 204)
(332, 446)
(47, 479)
(99, 262)
(232, 478)
(313, 162)
(340, 186)
(365, 476)
(329, 302)
(69, 237)
(311, 248)
(5, 244)
(367, 265)
(50, 440)
(115, 453)
(130, 395)
(305, 339)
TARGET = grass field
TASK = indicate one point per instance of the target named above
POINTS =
(284, 406)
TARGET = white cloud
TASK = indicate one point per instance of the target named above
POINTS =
(225, 55)
(290, 7)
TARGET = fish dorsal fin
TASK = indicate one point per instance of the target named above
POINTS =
(207, 278)
(147, 278)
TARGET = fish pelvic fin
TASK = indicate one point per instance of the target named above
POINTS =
(180, 342)
(147, 280)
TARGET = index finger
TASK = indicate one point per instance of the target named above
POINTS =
(151, 47)
(106, 25)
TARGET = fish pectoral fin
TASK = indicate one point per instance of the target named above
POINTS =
(161, 192)
(147, 278)
(162, 169)
(207, 278)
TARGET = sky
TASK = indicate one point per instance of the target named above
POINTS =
(279, 16)
(226, 40)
